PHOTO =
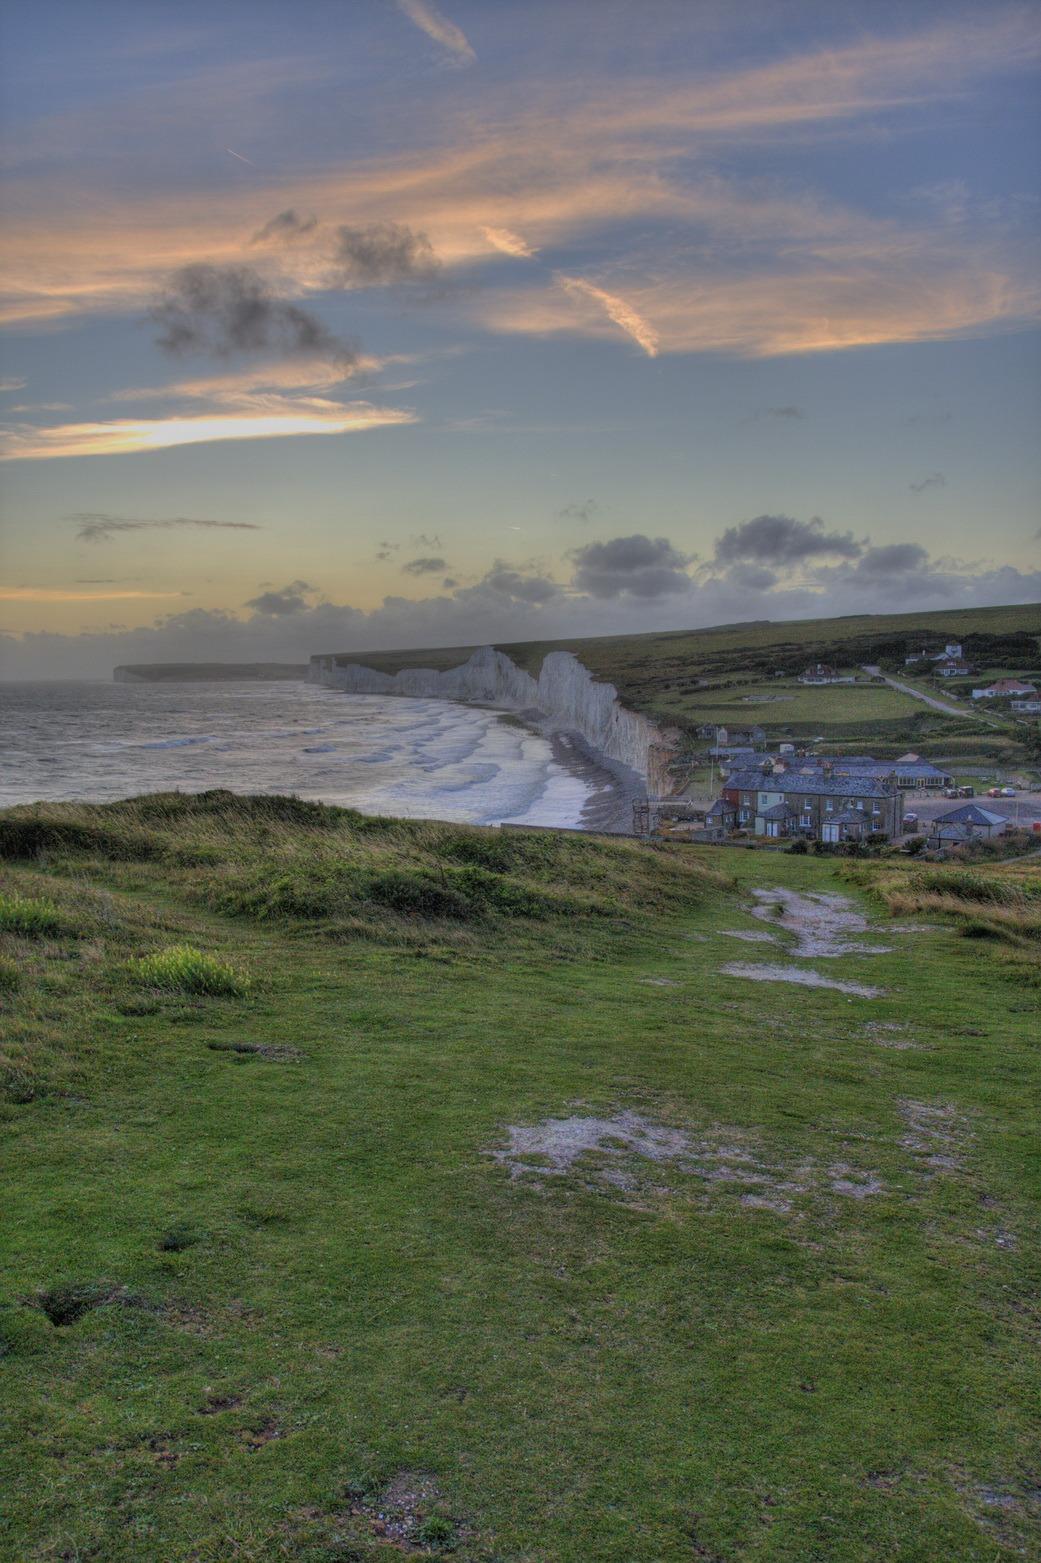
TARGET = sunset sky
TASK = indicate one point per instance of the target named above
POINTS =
(346, 324)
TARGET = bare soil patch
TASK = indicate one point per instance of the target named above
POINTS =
(822, 922)
(891, 1034)
(604, 1152)
(801, 975)
(407, 1514)
(936, 1133)
(750, 935)
(273, 1052)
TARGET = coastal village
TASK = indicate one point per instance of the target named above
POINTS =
(795, 793)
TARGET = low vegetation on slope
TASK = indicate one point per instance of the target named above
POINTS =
(511, 1223)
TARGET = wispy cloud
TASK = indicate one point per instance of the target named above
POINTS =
(13, 383)
(64, 594)
(624, 316)
(132, 436)
(99, 526)
(508, 243)
(934, 480)
(437, 26)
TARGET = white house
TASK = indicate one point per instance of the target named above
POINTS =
(1003, 686)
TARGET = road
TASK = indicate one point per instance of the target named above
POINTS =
(916, 694)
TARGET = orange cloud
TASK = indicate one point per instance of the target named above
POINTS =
(130, 436)
(616, 309)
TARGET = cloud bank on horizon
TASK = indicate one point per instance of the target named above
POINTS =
(713, 272)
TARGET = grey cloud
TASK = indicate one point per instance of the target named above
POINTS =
(424, 566)
(98, 526)
(425, 540)
(781, 540)
(637, 566)
(381, 254)
(448, 584)
(288, 599)
(751, 577)
(934, 480)
(522, 588)
(286, 226)
(479, 615)
(580, 511)
(789, 411)
(225, 310)
(888, 560)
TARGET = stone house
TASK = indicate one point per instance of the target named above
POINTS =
(820, 807)
(965, 824)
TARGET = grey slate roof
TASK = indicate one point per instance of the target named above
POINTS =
(778, 811)
(970, 814)
(813, 784)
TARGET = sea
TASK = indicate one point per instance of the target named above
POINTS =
(425, 759)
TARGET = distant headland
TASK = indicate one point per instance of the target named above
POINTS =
(207, 672)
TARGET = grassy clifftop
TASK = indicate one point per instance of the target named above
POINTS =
(378, 1189)
(729, 674)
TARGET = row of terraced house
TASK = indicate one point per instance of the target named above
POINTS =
(829, 800)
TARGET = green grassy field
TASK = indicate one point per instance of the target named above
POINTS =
(269, 1294)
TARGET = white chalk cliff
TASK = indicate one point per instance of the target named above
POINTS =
(566, 697)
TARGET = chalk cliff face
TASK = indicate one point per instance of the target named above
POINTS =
(565, 695)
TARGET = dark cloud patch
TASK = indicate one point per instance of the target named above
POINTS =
(427, 565)
(891, 559)
(636, 566)
(383, 254)
(98, 526)
(781, 540)
(751, 577)
(582, 510)
(448, 584)
(288, 599)
(934, 480)
(427, 540)
(229, 310)
(284, 228)
(520, 587)
(789, 411)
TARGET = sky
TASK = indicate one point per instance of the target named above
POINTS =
(334, 326)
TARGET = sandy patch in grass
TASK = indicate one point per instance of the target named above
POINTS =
(552, 1147)
(801, 975)
(821, 921)
(601, 1152)
(889, 1033)
(750, 935)
(659, 982)
(937, 1135)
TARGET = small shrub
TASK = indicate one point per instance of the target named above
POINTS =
(183, 969)
(417, 895)
(33, 918)
(10, 977)
(799, 846)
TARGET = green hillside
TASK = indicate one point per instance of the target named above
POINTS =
(378, 1189)
(747, 674)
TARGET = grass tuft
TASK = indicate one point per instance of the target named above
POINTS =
(32, 917)
(181, 968)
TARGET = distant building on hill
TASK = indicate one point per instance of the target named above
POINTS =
(824, 673)
(1003, 686)
(953, 667)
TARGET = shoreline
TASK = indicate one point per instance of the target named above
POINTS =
(608, 810)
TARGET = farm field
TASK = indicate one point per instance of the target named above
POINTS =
(313, 1253)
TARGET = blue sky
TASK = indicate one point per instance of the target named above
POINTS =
(339, 326)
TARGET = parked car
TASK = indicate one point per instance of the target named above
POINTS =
(1008, 792)
(910, 821)
(952, 792)
(995, 792)
(966, 792)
